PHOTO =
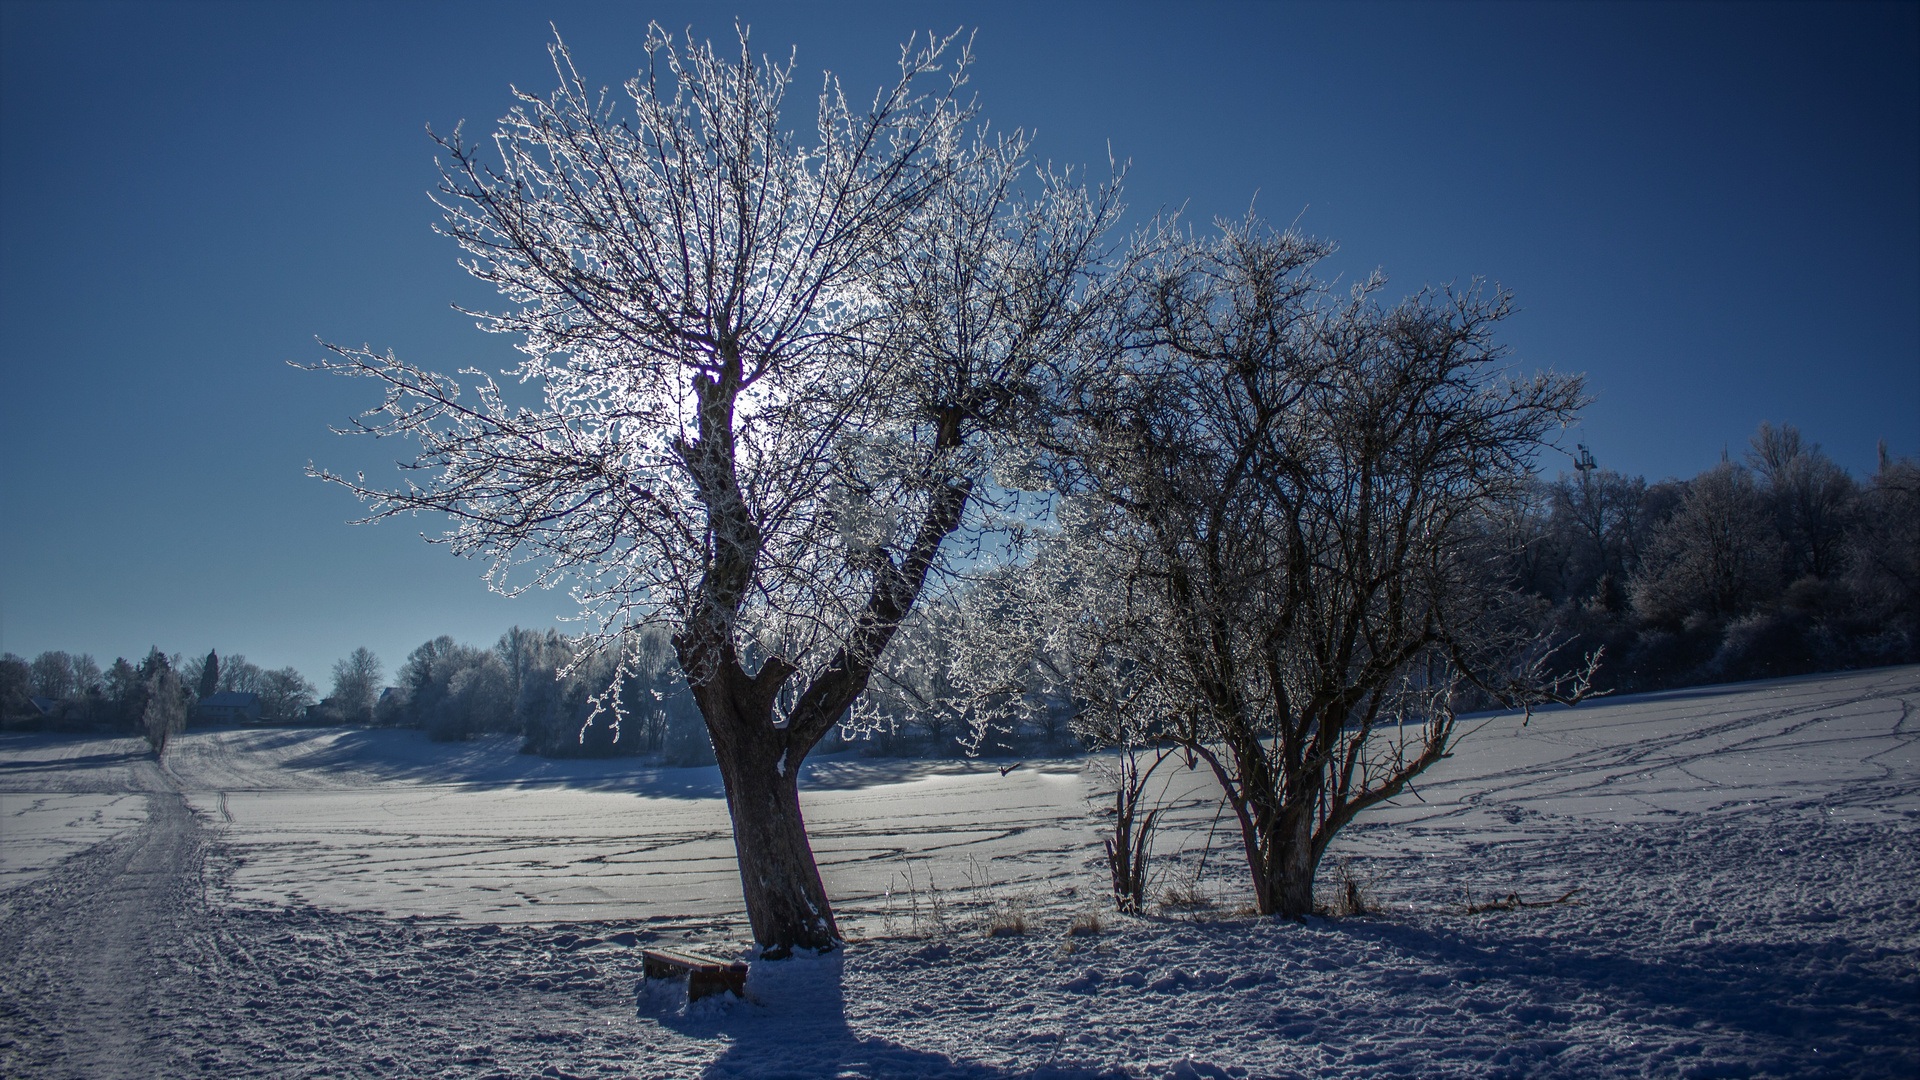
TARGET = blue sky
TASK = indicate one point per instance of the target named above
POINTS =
(1712, 211)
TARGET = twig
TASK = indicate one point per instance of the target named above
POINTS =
(1513, 901)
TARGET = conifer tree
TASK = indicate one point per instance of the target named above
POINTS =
(210, 675)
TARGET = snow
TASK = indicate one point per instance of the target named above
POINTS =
(369, 903)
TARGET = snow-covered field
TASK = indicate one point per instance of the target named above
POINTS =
(354, 903)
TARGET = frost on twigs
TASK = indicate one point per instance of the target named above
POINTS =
(766, 377)
(1280, 548)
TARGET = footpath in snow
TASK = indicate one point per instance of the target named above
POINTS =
(351, 903)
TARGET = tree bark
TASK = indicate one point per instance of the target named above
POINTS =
(1291, 864)
(786, 901)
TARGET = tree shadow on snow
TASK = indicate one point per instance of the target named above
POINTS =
(796, 1025)
(73, 764)
(1736, 985)
(494, 762)
(847, 773)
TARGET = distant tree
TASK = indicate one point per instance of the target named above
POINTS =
(1884, 555)
(356, 685)
(455, 691)
(209, 681)
(53, 676)
(1812, 500)
(1716, 559)
(541, 711)
(16, 685)
(240, 675)
(394, 708)
(122, 688)
(479, 696)
(565, 704)
(160, 700)
(165, 712)
(284, 695)
(1597, 517)
(522, 651)
(86, 675)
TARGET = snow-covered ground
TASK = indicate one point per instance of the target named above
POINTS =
(354, 903)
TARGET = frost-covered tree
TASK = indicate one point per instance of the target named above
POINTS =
(1884, 557)
(958, 674)
(764, 378)
(161, 702)
(1280, 548)
(1716, 558)
(356, 684)
(1811, 497)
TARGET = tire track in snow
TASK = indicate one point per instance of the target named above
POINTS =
(84, 948)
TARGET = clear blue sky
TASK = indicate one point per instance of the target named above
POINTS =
(1713, 211)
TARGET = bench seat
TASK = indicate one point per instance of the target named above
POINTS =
(705, 974)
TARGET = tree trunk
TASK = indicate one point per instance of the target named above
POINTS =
(786, 901)
(1291, 863)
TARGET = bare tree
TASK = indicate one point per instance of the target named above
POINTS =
(1884, 562)
(53, 675)
(356, 684)
(243, 676)
(769, 376)
(1134, 818)
(1283, 495)
(1812, 499)
(284, 695)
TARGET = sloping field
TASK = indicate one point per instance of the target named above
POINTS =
(1743, 863)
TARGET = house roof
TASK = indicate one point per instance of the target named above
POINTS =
(230, 699)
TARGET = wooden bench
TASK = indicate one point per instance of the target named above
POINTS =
(705, 974)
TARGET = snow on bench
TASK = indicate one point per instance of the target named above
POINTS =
(705, 974)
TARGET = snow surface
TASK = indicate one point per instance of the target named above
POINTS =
(367, 903)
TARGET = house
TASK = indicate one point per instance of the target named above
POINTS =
(228, 707)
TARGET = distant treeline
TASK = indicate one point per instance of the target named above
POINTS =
(60, 689)
(1778, 563)
(549, 689)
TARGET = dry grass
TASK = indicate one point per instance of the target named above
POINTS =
(1185, 897)
(999, 916)
(925, 913)
(1008, 919)
(1351, 895)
